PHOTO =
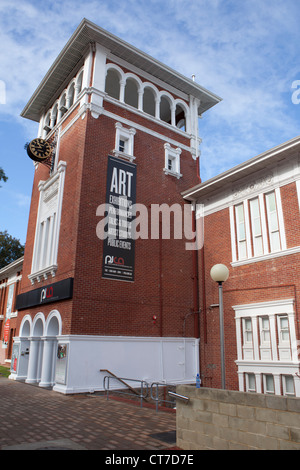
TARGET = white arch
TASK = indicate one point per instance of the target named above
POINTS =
(46, 124)
(183, 105)
(36, 330)
(158, 95)
(54, 114)
(150, 88)
(167, 95)
(150, 85)
(117, 77)
(66, 99)
(138, 92)
(134, 77)
(170, 100)
(116, 68)
(186, 110)
(53, 318)
(63, 98)
(71, 93)
(26, 327)
(79, 78)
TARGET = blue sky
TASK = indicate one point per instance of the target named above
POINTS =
(246, 51)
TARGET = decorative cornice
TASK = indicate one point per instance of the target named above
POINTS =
(254, 185)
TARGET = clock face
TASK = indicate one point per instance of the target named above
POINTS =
(39, 150)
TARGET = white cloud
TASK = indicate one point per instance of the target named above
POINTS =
(246, 52)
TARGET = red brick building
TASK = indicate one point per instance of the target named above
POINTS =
(123, 127)
(10, 282)
(252, 225)
(123, 130)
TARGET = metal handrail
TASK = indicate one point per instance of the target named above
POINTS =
(143, 389)
(180, 397)
(156, 398)
(143, 386)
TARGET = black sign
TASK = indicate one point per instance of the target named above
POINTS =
(52, 293)
(119, 245)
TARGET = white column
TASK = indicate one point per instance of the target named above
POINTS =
(277, 386)
(33, 360)
(241, 381)
(86, 78)
(294, 345)
(255, 339)
(99, 68)
(122, 91)
(263, 223)
(298, 191)
(238, 339)
(247, 228)
(273, 338)
(140, 100)
(157, 107)
(297, 386)
(258, 383)
(280, 219)
(47, 364)
(173, 121)
(232, 233)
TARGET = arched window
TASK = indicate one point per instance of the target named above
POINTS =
(79, 82)
(131, 92)
(47, 127)
(25, 328)
(180, 118)
(54, 115)
(149, 101)
(165, 109)
(71, 94)
(63, 105)
(112, 84)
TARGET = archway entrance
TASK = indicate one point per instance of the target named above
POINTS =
(36, 349)
(53, 329)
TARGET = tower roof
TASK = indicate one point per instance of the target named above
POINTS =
(73, 52)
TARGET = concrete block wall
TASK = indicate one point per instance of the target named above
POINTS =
(229, 420)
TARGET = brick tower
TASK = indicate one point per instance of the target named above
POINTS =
(123, 131)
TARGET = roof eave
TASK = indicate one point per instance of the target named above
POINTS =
(88, 32)
(239, 171)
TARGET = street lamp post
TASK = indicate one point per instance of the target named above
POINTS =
(220, 273)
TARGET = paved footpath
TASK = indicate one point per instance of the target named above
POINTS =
(33, 418)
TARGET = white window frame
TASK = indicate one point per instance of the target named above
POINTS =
(44, 259)
(255, 221)
(172, 157)
(276, 358)
(241, 241)
(263, 330)
(271, 229)
(247, 332)
(266, 383)
(127, 136)
(284, 385)
(248, 387)
(266, 235)
(282, 330)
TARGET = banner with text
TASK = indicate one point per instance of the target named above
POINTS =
(119, 245)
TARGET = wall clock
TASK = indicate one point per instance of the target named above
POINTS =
(39, 150)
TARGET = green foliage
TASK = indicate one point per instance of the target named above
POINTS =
(4, 371)
(3, 176)
(10, 249)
